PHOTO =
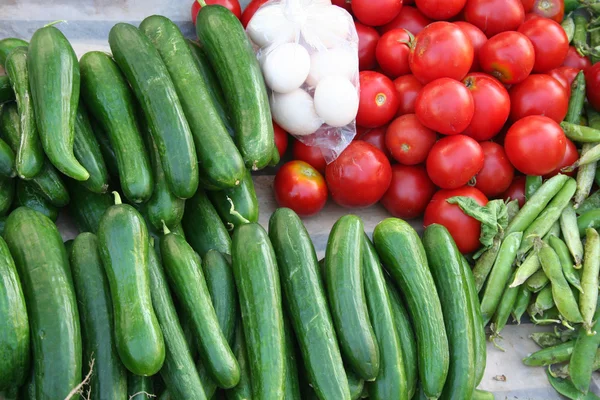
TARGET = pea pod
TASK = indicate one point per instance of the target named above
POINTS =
(537, 281)
(577, 98)
(584, 353)
(566, 262)
(484, 264)
(546, 339)
(570, 231)
(590, 156)
(590, 203)
(589, 219)
(527, 269)
(594, 42)
(509, 298)
(569, 27)
(586, 173)
(566, 388)
(512, 209)
(578, 133)
(532, 184)
(580, 33)
(589, 280)
(563, 370)
(521, 304)
(543, 302)
(551, 355)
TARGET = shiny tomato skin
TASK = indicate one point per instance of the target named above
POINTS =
(408, 88)
(300, 187)
(367, 45)
(360, 176)
(516, 191)
(441, 50)
(346, 5)
(376, 137)
(508, 56)
(530, 16)
(494, 16)
(250, 10)
(592, 78)
(392, 53)
(527, 5)
(281, 139)
(440, 9)
(378, 100)
(446, 106)
(550, 43)
(576, 60)
(454, 160)
(408, 140)
(477, 38)
(464, 229)
(376, 12)
(492, 106)
(535, 145)
(565, 76)
(497, 173)
(409, 193)
(571, 155)
(410, 19)
(231, 5)
(311, 155)
(553, 9)
(539, 94)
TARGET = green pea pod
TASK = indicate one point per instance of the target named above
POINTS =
(527, 269)
(532, 184)
(544, 301)
(590, 156)
(580, 33)
(591, 203)
(484, 264)
(586, 172)
(569, 27)
(551, 355)
(570, 231)
(578, 133)
(594, 41)
(563, 370)
(506, 305)
(589, 280)
(537, 281)
(512, 209)
(577, 98)
(589, 219)
(584, 353)
(566, 388)
(566, 262)
(545, 339)
(521, 304)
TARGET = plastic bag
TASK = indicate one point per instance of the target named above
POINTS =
(308, 52)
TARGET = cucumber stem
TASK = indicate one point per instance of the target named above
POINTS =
(232, 211)
(166, 230)
(117, 197)
(202, 3)
(54, 22)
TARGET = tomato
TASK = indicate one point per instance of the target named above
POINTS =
(441, 50)
(535, 145)
(376, 12)
(281, 139)
(360, 176)
(345, 4)
(497, 173)
(300, 187)
(492, 106)
(378, 100)
(231, 5)
(464, 229)
(576, 60)
(408, 140)
(440, 9)
(410, 19)
(530, 16)
(392, 52)
(494, 16)
(571, 155)
(477, 38)
(516, 191)
(311, 155)
(376, 137)
(553, 9)
(250, 10)
(453, 161)
(367, 45)
(550, 43)
(565, 76)
(408, 88)
(527, 5)
(539, 94)
(592, 78)
(446, 106)
(409, 193)
(508, 56)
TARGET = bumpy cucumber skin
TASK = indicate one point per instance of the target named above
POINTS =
(7, 161)
(243, 390)
(7, 194)
(138, 387)
(242, 199)
(6, 92)
(7, 45)
(28, 195)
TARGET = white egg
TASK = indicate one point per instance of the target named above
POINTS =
(295, 112)
(336, 101)
(286, 67)
(341, 61)
(269, 25)
(327, 26)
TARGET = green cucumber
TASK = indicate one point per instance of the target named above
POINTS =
(43, 267)
(141, 64)
(109, 378)
(291, 381)
(87, 208)
(14, 339)
(219, 160)
(108, 97)
(243, 390)
(123, 244)
(28, 195)
(69, 246)
(7, 45)
(7, 194)
(139, 387)
(345, 289)
(257, 282)
(54, 82)
(7, 161)
(237, 206)
(306, 301)
(239, 74)
(87, 151)
(6, 92)
(108, 153)
(402, 252)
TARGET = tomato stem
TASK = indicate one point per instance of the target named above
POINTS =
(202, 3)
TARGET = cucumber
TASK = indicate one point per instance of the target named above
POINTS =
(220, 161)
(109, 378)
(7, 45)
(291, 383)
(402, 253)
(236, 206)
(445, 263)
(108, 153)
(54, 82)
(87, 151)
(243, 390)
(7, 194)
(257, 282)
(107, 96)
(27, 391)
(142, 66)
(123, 244)
(178, 371)
(87, 208)
(6, 92)
(68, 247)
(391, 381)
(184, 271)
(343, 258)
(43, 267)
(306, 301)
(139, 387)
(14, 339)
(239, 74)
(7, 161)
(203, 226)
(28, 195)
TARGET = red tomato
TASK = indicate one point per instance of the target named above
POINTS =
(539, 94)
(378, 100)
(516, 190)
(281, 139)
(441, 50)
(464, 229)
(250, 10)
(409, 193)
(453, 161)
(376, 12)
(408, 140)
(392, 52)
(446, 106)
(535, 145)
(576, 60)
(440, 9)
(408, 88)
(492, 106)
(300, 187)
(549, 41)
(367, 45)
(592, 78)
(477, 38)
(571, 155)
(497, 173)
(311, 155)
(494, 16)
(527, 5)
(231, 5)
(376, 137)
(345, 4)
(565, 76)
(553, 9)
(530, 16)
(508, 56)
(410, 19)
(360, 176)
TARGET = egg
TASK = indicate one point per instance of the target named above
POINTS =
(327, 26)
(286, 67)
(336, 101)
(295, 112)
(269, 25)
(341, 61)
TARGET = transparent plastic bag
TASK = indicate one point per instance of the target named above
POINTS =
(308, 52)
